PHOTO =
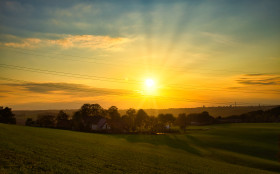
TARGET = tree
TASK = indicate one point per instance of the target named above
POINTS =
(141, 119)
(114, 113)
(77, 121)
(152, 121)
(29, 122)
(114, 119)
(181, 121)
(6, 116)
(131, 113)
(202, 118)
(62, 120)
(91, 110)
(126, 123)
(46, 120)
(155, 126)
(166, 119)
(158, 128)
(82, 120)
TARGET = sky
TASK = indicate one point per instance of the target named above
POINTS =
(62, 54)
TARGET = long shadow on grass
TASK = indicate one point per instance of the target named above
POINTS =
(161, 140)
(238, 149)
(234, 143)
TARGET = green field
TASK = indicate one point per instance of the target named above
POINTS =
(228, 148)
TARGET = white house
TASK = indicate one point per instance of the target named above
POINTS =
(99, 124)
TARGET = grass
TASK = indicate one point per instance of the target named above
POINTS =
(228, 148)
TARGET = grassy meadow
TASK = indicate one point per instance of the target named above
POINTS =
(227, 148)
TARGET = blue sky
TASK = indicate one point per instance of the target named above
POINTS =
(117, 18)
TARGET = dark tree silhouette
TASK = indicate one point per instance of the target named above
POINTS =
(6, 116)
(201, 119)
(181, 121)
(92, 117)
(62, 121)
(86, 114)
(126, 123)
(29, 122)
(272, 115)
(141, 119)
(91, 110)
(77, 121)
(114, 119)
(131, 113)
(47, 120)
(155, 126)
(166, 119)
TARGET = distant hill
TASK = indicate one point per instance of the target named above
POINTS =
(22, 115)
(223, 111)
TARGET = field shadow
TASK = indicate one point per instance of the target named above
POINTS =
(239, 154)
(169, 140)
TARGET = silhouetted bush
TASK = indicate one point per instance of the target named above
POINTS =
(47, 120)
(6, 116)
(181, 121)
(200, 119)
(30, 122)
(62, 121)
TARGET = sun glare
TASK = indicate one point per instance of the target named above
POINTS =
(150, 83)
(149, 87)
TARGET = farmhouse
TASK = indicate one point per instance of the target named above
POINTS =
(98, 123)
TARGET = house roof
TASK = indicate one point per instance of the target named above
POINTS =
(96, 120)
(101, 122)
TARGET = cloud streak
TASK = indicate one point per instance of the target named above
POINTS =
(68, 89)
(259, 79)
(68, 41)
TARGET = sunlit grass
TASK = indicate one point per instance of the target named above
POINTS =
(234, 148)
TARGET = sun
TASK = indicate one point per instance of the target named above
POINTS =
(149, 87)
(150, 83)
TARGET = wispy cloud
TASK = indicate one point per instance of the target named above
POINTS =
(220, 38)
(68, 41)
(24, 43)
(68, 89)
(259, 79)
(89, 41)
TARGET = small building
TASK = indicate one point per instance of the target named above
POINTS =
(101, 124)
(98, 123)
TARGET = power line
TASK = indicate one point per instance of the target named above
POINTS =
(127, 94)
(58, 86)
(67, 74)
(124, 94)
(117, 80)
(171, 68)
(67, 88)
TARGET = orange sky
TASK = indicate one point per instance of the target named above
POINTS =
(197, 53)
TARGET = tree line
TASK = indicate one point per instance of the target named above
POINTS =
(259, 116)
(88, 117)
(133, 121)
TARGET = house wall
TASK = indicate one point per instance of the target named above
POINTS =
(94, 127)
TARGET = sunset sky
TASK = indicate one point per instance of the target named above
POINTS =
(62, 54)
